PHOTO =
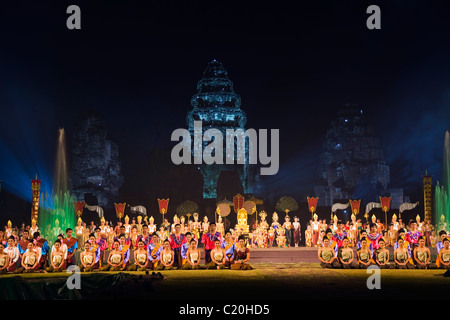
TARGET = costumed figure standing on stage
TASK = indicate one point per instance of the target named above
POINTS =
(315, 224)
(275, 225)
(151, 225)
(287, 226)
(309, 236)
(196, 227)
(176, 240)
(297, 232)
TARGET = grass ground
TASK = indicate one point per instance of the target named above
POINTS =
(266, 281)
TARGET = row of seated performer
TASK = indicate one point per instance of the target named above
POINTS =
(178, 252)
(405, 256)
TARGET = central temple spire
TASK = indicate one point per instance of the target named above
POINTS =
(218, 106)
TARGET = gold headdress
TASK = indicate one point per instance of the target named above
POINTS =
(102, 219)
(195, 215)
(9, 223)
(127, 217)
(263, 214)
(374, 217)
(352, 216)
(139, 218)
(275, 215)
(79, 219)
(315, 215)
(394, 216)
(33, 221)
(152, 219)
(417, 217)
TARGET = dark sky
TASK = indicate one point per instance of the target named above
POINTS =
(293, 63)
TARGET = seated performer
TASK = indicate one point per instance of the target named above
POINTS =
(45, 248)
(402, 256)
(115, 259)
(13, 254)
(88, 261)
(57, 261)
(422, 255)
(326, 254)
(167, 257)
(230, 247)
(242, 256)
(364, 255)
(4, 259)
(217, 257)
(192, 257)
(185, 247)
(22, 245)
(140, 258)
(345, 255)
(154, 251)
(381, 255)
(443, 257)
(30, 259)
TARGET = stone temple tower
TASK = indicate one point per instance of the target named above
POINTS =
(352, 163)
(218, 106)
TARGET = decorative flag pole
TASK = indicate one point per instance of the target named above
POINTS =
(36, 188)
(385, 204)
(312, 205)
(120, 209)
(163, 204)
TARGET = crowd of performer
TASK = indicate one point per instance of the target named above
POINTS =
(136, 246)
(411, 244)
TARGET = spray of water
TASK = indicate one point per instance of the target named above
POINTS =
(442, 203)
(57, 212)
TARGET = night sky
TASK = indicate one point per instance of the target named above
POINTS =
(294, 64)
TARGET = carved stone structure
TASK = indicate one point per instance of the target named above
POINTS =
(352, 163)
(95, 170)
(218, 106)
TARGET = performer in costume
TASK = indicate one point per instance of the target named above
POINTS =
(43, 244)
(275, 225)
(88, 259)
(374, 236)
(145, 237)
(422, 255)
(22, 245)
(4, 259)
(220, 226)
(8, 229)
(402, 257)
(443, 257)
(326, 254)
(195, 227)
(127, 226)
(139, 226)
(242, 256)
(340, 234)
(101, 242)
(205, 225)
(419, 224)
(177, 239)
(217, 257)
(192, 257)
(364, 255)
(270, 237)
(152, 226)
(125, 248)
(433, 239)
(79, 233)
(115, 261)
(412, 236)
(30, 259)
(315, 225)
(287, 226)
(208, 240)
(34, 228)
(427, 230)
(95, 249)
(381, 255)
(140, 258)
(154, 251)
(185, 247)
(345, 255)
(57, 258)
(309, 236)
(167, 257)
(134, 236)
(229, 245)
(72, 246)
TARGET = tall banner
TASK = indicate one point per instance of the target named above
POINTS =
(120, 209)
(79, 206)
(163, 205)
(238, 202)
(355, 205)
(312, 204)
(385, 205)
(35, 188)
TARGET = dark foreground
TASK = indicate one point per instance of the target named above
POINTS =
(268, 281)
